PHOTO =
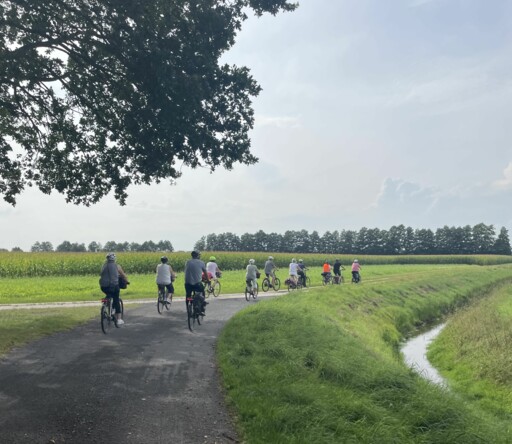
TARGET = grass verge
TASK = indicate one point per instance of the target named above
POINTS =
(18, 327)
(324, 366)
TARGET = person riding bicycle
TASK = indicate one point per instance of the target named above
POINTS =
(356, 267)
(270, 270)
(302, 272)
(251, 276)
(213, 269)
(109, 283)
(164, 277)
(337, 270)
(326, 273)
(195, 269)
(293, 271)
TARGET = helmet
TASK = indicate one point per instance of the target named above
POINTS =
(196, 254)
(294, 260)
(251, 261)
(111, 257)
(270, 258)
(355, 260)
(212, 258)
(164, 259)
(300, 260)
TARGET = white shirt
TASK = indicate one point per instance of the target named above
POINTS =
(163, 274)
(211, 267)
(293, 269)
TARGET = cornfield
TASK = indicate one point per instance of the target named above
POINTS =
(20, 264)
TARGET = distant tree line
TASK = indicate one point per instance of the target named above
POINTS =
(66, 246)
(479, 239)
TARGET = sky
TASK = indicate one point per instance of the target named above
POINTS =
(372, 114)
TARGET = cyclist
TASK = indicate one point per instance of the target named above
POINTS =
(109, 283)
(213, 269)
(195, 269)
(356, 267)
(294, 271)
(337, 270)
(270, 270)
(326, 273)
(251, 276)
(164, 277)
(302, 272)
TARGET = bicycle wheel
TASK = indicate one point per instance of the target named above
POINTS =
(190, 314)
(265, 285)
(277, 284)
(247, 294)
(106, 319)
(207, 290)
(216, 288)
(160, 301)
(197, 308)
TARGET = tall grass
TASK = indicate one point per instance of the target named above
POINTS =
(474, 352)
(79, 264)
(325, 367)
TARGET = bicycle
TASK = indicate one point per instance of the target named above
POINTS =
(194, 310)
(356, 277)
(305, 281)
(164, 300)
(107, 314)
(250, 292)
(210, 288)
(327, 279)
(267, 284)
(292, 285)
(338, 280)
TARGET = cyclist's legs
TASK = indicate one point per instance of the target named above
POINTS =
(113, 292)
(199, 289)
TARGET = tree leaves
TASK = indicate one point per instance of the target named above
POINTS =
(96, 95)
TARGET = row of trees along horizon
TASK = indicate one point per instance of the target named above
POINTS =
(94, 247)
(479, 239)
(398, 240)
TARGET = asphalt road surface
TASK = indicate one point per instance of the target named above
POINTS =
(150, 381)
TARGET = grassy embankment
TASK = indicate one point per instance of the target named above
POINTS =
(474, 352)
(324, 366)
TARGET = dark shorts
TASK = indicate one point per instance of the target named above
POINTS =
(198, 288)
(113, 292)
(170, 287)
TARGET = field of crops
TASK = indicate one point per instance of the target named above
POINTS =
(13, 265)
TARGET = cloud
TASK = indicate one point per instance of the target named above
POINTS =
(398, 193)
(505, 182)
(403, 202)
(279, 122)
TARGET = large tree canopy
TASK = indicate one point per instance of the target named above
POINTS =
(98, 94)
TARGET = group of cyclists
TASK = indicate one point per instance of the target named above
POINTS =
(337, 268)
(197, 274)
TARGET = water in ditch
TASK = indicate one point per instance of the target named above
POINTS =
(415, 355)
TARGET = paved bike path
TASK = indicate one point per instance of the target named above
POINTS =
(150, 381)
